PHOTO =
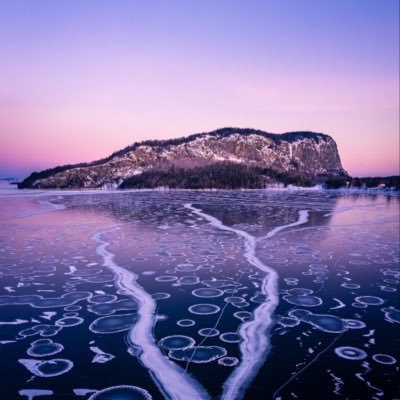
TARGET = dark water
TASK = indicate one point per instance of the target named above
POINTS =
(196, 295)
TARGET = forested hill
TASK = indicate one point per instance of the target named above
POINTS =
(304, 155)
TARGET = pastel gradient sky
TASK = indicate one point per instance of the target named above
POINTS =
(80, 79)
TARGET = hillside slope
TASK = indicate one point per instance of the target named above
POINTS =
(303, 153)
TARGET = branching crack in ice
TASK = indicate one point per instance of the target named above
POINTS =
(303, 218)
(168, 376)
(255, 343)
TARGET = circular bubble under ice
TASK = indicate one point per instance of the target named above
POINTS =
(48, 368)
(218, 283)
(160, 296)
(228, 361)
(199, 354)
(354, 324)
(392, 315)
(234, 299)
(204, 309)
(208, 332)
(243, 315)
(70, 314)
(73, 308)
(188, 280)
(388, 289)
(185, 322)
(359, 305)
(350, 353)
(113, 323)
(122, 392)
(69, 321)
(186, 268)
(304, 301)
(176, 342)
(102, 299)
(230, 337)
(44, 347)
(350, 285)
(166, 278)
(369, 300)
(288, 322)
(324, 322)
(207, 292)
(384, 359)
(300, 291)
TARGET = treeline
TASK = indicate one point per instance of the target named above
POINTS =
(222, 175)
(287, 178)
(389, 182)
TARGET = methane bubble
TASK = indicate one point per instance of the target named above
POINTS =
(122, 392)
(207, 292)
(208, 332)
(44, 347)
(228, 361)
(204, 309)
(369, 300)
(354, 324)
(230, 337)
(384, 359)
(112, 324)
(47, 368)
(185, 322)
(303, 301)
(350, 353)
(176, 342)
(69, 321)
(103, 298)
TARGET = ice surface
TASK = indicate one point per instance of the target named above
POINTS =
(137, 290)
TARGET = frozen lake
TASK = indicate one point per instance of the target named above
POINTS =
(199, 295)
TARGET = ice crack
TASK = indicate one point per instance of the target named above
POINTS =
(168, 376)
(255, 344)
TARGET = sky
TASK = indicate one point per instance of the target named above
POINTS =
(80, 79)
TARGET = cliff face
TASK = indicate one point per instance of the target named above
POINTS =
(307, 153)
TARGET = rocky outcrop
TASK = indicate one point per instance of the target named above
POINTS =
(307, 153)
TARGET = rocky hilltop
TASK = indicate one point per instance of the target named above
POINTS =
(304, 154)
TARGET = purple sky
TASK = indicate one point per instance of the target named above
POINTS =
(81, 79)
